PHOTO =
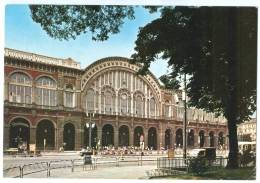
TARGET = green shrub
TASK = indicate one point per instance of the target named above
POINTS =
(198, 165)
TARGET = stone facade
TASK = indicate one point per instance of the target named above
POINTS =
(46, 102)
(247, 131)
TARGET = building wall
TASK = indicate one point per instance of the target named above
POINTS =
(111, 80)
(247, 131)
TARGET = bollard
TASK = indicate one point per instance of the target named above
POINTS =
(72, 165)
(21, 171)
(94, 163)
(48, 169)
(141, 159)
(117, 161)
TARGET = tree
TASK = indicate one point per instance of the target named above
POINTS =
(69, 21)
(216, 47)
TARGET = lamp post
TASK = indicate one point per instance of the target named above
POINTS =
(90, 125)
(185, 121)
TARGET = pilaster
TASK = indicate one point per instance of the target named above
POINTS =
(33, 135)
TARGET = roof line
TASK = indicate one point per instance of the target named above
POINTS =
(118, 58)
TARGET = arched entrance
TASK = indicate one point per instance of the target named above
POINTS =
(19, 133)
(190, 142)
(179, 138)
(137, 133)
(211, 139)
(107, 135)
(45, 135)
(94, 139)
(123, 136)
(69, 137)
(152, 138)
(167, 141)
(201, 138)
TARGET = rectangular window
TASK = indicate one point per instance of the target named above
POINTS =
(69, 99)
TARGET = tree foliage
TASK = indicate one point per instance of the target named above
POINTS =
(196, 41)
(216, 47)
(69, 21)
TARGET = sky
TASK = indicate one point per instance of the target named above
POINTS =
(22, 33)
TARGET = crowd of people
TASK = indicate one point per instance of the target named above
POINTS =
(135, 150)
(124, 150)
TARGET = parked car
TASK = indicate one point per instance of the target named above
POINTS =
(206, 152)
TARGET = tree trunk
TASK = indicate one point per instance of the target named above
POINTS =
(232, 103)
(233, 145)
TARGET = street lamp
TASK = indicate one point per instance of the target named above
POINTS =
(185, 120)
(90, 125)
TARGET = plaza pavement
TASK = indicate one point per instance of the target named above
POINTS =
(126, 172)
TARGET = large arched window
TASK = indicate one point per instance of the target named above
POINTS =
(69, 100)
(46, 91)
(90, 100)
(167, 109)
(152, 107)
(139, 106)
(20, 88)
(108, 102)
(123, 103)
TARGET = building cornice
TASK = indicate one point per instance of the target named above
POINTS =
(69, 63)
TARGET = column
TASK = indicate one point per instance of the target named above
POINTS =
(206, 141)
(59, 138)
(33, 135)
(196, 139)
(145, 137)
(99, 97)
(146, 103)
(145, 107)
(77, 94)
(6, 136)
(173, 134)
(116, 136)
(33, 92)
(163, 139)
(79, 134)
(172, 140)
(117, 105)
(215, 141)
(6, 94)
(99, 134)
(132, 104)
(160, 138)
(131, 137)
